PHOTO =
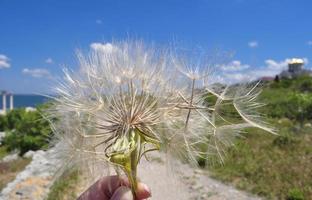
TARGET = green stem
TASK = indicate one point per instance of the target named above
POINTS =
(129, 161)
(131, 166)
(132, 177)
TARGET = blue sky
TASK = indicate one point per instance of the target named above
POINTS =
(38, 38)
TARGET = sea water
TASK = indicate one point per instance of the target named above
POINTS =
(24, 100)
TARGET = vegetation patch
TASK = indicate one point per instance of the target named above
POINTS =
(276, 166)
(25, 130)
(3, 151)
(8, 170)
(65, 188)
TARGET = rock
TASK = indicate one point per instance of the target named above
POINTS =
(29, 154)
(2, 135)
(31, 188)
(30, 109)
(204, 196)
(34, 182)
(10, 157)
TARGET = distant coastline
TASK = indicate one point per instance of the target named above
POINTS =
(26, 100)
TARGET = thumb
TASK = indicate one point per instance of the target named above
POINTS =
(122, 193)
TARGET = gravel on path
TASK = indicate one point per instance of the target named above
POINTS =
(34, 181)
(187, 184)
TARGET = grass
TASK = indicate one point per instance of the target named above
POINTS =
(3, 152)
(276, 167)
(65, 187)
(8, 170)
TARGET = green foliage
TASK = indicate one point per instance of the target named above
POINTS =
(295, 194)
(26, 131)
(275, 166)
(3, 151)
(14, 117)
(289, 98)
(269, 165)
(3, 123)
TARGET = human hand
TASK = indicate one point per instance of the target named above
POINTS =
(114, 188)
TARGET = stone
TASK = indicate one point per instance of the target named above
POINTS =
(29, 154)
(35, 180)
(10, 157)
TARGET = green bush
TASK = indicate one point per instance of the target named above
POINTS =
(288, 98)
(27, 131)
(284, 141)
(14, 117)
(3, 123)
(295, 194)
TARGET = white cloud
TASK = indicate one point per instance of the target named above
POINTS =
(281, 65)
(4, 61)
(104, 48)
(237, 77)
(253, 44)
(49, 60)
(269, 69)
(98, 21)
(235, 65)
(309, 43)
(37, 72)
(275, 65)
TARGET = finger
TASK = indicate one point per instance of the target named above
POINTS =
(122, 193)
(103, 189)
(143, 192)
(109, 184)
(114, 182)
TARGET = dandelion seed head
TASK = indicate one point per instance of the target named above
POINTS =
(134, 99)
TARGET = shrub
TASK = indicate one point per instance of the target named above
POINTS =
(28, 131)
(285, 103)
(3, 123)
(14, 117)
(285, 141)
(295, 194)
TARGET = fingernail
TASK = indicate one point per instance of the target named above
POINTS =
(146, 188)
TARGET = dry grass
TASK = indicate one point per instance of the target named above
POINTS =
(8, 170)
(66, 187)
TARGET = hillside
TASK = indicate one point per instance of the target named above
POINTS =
(276, 166)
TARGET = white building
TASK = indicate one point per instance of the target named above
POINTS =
(295, 69)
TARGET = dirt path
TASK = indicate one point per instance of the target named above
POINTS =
(189, 184)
